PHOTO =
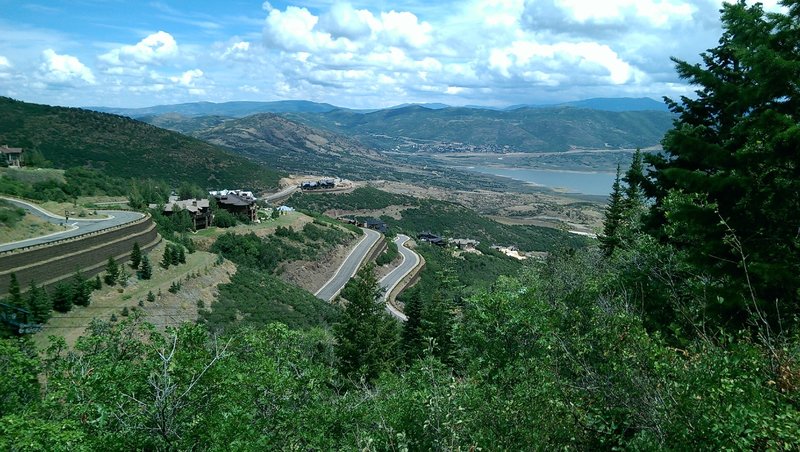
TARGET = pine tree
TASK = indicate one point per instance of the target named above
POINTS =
(609, 239)
(62, 298)
(181, 255)
(412, 343)
(175, 255)
(166, 260)
(39, 303)
(145, 269)
(366, 336)
(151, 297)
(81, 291)
(634, 185)
(136, 256)
(112, 272)
(438, 317)
(14, 295)
(98, 284)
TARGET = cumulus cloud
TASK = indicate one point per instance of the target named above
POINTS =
(59, 69)
(156, 47)
(4, 63)
(187, 78)
(237, 50)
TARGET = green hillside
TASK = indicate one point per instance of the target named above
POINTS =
(523, 130)
(124, 147)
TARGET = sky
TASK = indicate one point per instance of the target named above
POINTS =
(357, 54)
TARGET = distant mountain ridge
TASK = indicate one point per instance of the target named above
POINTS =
(124, 147)
(241, 109)
(238, 109)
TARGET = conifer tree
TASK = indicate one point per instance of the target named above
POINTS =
(136, 256)
(14, 295)
(609, 239)
(62, 298)
(81, 292)
(366, 336)
(39, 303)
(181, 255)
(412, 343)
(145, 269)
(634, 185)
(112, 272)
(166, 260)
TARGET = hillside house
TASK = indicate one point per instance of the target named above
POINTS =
(237, 202)
(12, 156)
(431, 238)
(199, 210)
(464, 244)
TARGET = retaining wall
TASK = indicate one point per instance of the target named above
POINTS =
(48, 264)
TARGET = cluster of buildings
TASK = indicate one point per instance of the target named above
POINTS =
(462, 244)
(237, 202)
(322, 184)
(369, 223)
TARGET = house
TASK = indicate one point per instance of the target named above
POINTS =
(464, 244)
(378, 225)
(199, 210)
(12, 156)
(237, 202)
(431, 238)
(322, 184)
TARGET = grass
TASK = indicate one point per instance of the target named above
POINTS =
(109, 300)
(204, 238)
(28, 227)
(34, 175)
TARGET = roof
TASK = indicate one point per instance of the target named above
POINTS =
(192, 205)
(233, 199)
(7, 150)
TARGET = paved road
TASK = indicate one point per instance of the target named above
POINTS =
(390, 281)
(285, 193)
(72, 228)
(349, 267)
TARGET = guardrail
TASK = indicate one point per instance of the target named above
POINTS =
(145, 217)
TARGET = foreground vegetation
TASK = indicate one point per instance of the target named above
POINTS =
(680, 331)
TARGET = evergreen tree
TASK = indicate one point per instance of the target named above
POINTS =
(726, 192)
(145, 269)
(366, 336)
(438, 317)
(81, 290)
(412, 343)
(136, 256)
(14, 295)
(175, 255)
(112, 272)
(166, 260)
(634, 185)
(39, 303)
(609, 239)
(151, 297)
(62, 298)
(181, 255)
(98, 284)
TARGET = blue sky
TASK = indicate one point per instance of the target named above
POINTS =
(359, 54)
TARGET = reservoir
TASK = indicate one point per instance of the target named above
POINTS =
(587, 183)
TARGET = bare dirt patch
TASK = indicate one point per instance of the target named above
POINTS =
(312, 275)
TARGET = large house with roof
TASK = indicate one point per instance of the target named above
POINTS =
(11, 156)
(199, 210)
(237, 202)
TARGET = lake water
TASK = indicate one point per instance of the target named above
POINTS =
(563, 181)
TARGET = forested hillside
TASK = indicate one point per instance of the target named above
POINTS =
(123, 147)
(681, 331)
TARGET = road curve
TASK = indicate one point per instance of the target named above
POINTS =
(285, 193)
(390, 281)
(349, 267)
(75, 226)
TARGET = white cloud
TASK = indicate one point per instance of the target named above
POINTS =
(59, 69)
(188, 78)
(249, 89)
(4, 63)
(405, 28)
(237, 50)
(156, 47)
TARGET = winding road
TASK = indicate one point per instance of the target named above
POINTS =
(349, 267)
(75, 226)
(390, 281)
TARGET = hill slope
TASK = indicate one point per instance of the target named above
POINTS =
(292, 146)
(124, 147)
(523, 130)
